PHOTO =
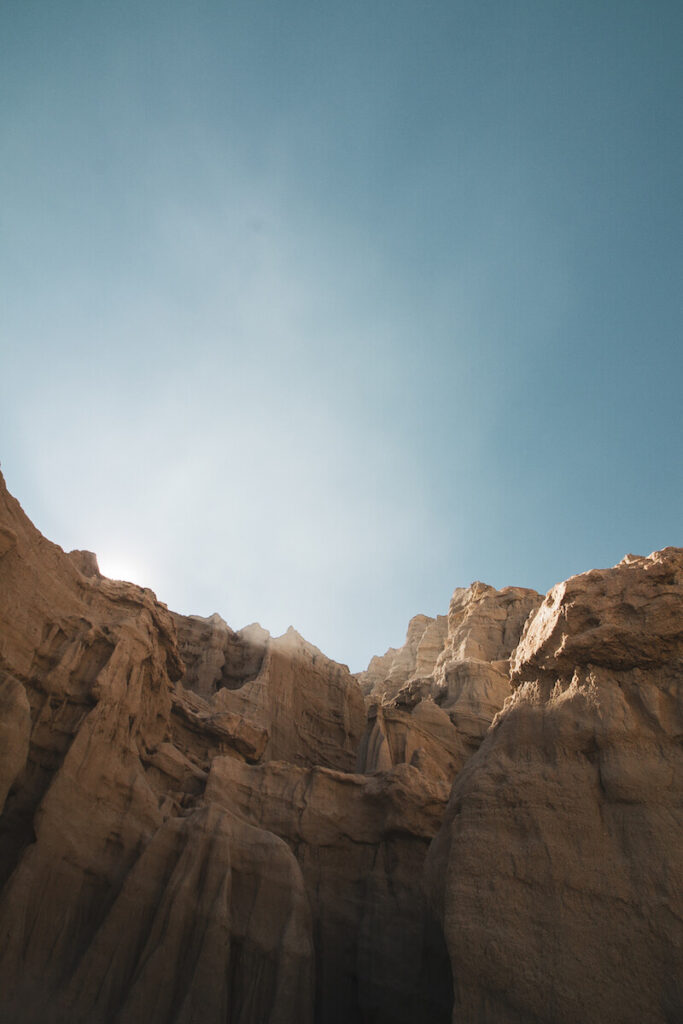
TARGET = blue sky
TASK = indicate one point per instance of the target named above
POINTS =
(311, 312)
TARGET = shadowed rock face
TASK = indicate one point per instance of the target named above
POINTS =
(361, 843)
(200, 825)
(183, 837)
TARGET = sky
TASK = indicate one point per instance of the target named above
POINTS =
(311, 312)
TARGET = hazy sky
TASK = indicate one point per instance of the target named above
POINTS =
(312, 311)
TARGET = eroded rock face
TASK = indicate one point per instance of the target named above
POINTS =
(559, 868)
(222, 902)
(361, 843)
(423, 736)
(124, 897)
(308, 707)
(459, 662)
(15, 730)
(215, 656)
(129, 890)
(201, 825)
(386, 674)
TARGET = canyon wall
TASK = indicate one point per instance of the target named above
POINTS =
(206, 825)
(558, 871)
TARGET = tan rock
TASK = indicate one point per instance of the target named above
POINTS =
(217, 927)
(461, 663)
(8, 540)
(309, 708)
(113, 901)
(215, 656)
(85, 562)
(620, 620)
(471, 676)
(361, 842)
(185, 840)
(472, 693)
(423, 736)
(15, 729)
(486, 624)
(386, 674)
(559, 868)
(214, 728)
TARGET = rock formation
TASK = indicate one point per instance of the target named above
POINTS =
(201, 825)
(184, 836)
(558, 872)
(432, 701)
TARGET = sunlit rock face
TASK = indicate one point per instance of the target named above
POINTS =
(558, 872)
(432, 701)
(201, 825)
(386, 674)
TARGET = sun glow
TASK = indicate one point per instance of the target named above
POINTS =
(122, 567)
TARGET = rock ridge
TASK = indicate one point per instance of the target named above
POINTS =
(201, 824)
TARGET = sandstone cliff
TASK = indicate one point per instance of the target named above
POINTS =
(207, 825)
(432, 701)
(184, 837)
(558, 872)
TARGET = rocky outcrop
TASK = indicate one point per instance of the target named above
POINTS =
(423, 736)
(361, 842)
(217, 927)
(386, 674)
(308, 708)
(130, 888)
(124, 897)
(215, 656)
(558, 872)
(199, 824)
(435, 698)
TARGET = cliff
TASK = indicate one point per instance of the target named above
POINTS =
(207, 825)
